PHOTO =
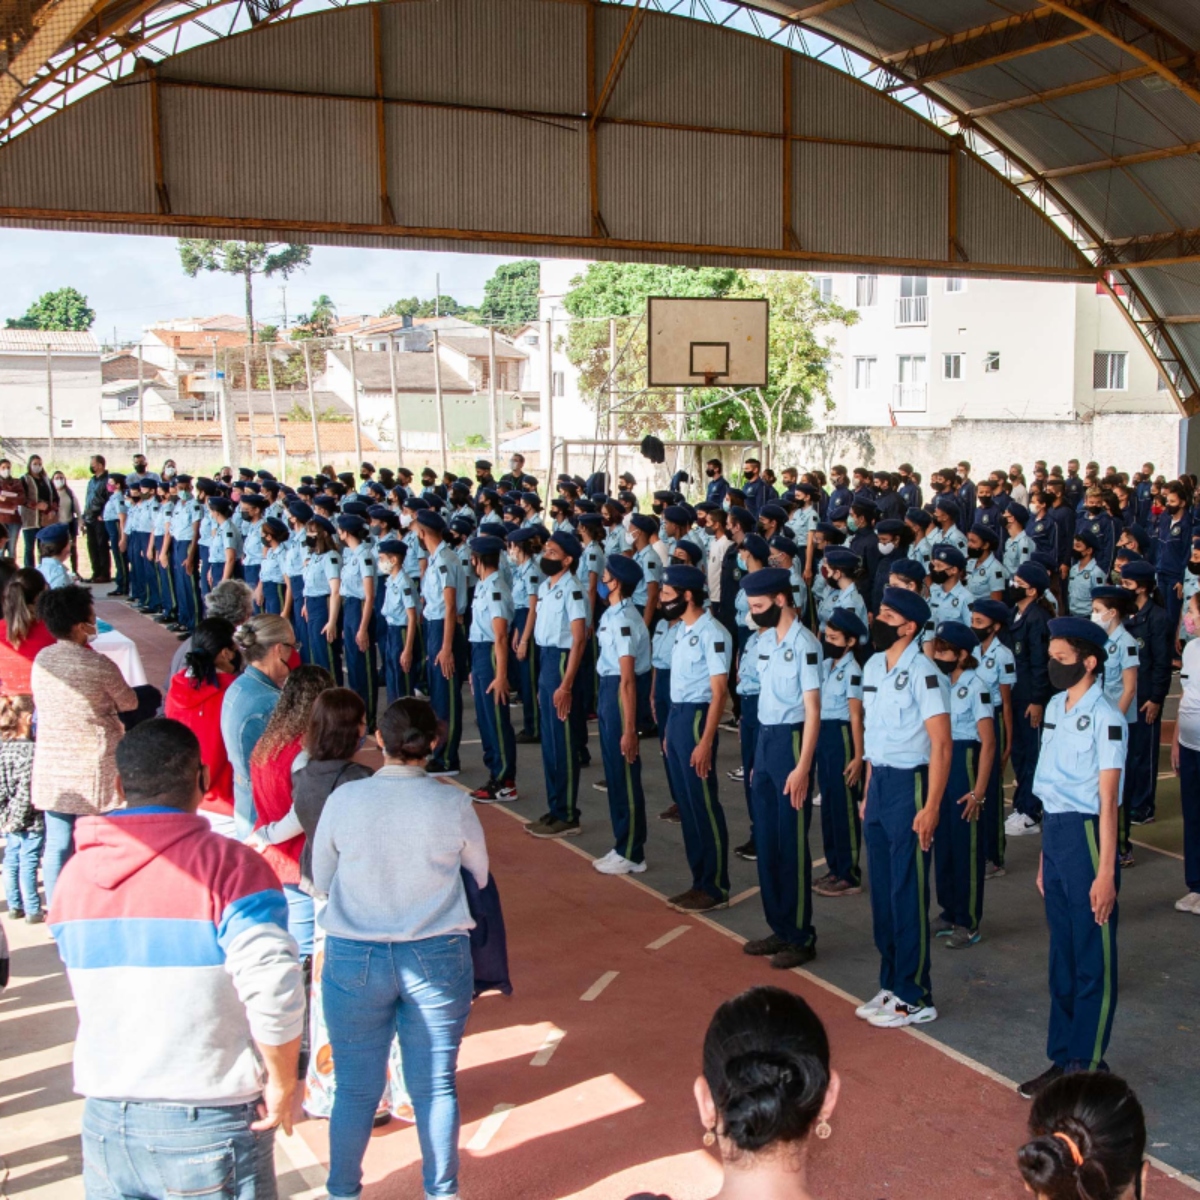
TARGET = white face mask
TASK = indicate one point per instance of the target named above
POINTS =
(405, 520)
(886, 547)
(725, 505)
(5, 473)
(60, 484)
(35, 468)
(1101, 617)
(93, 635)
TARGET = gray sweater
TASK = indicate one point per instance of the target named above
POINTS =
(389, 851)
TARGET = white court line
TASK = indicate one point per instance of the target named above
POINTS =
(743, 896)
(489, 1127)
(599, 985)
(547, 1049)
(818, 862)
(668, 938)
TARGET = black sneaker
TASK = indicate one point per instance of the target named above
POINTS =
(601, 785)
(115, 592)
(485, 793)
(1031, 1087)
(527, 739)
(764, 947)
(793, 956)
(671, 814)
(747, 851)
(1141, 817)
(554, 829)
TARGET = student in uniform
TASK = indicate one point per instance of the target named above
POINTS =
(1018, 546)
(700, 661)
(643, 532)
(986, 576)
(113, 516)
(1185, 758)
(1085, 574)
(225, 553)
(662, 645)
(274, 587)
(298, 516)
(560, 629)
(444, 596)
(945, 531)
(840, 569)
(488, 637)
(525, 545)
(907, 745)
(162, 585)
(54, 548)
(623, 665)
(358, 611)
(400, 619)
(789, 724)
(748, 690)
(959, 843)
(323, 596)
(1191, 585)
(1110, 607)
(184, 542)
(1078, 783)
(949, 600)
(253, 506)
(997, 668)
(1031, 692)
(840, 755)
(919, 521)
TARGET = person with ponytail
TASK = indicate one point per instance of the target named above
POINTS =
(1088, 1141)
(766, 1089)
(22, 634)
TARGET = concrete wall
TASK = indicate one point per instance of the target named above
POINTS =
(23, 401)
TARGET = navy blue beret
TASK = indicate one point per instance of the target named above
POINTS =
(1081, 628)
(784, 545)
(301, 511)
(677, 514)
(254, 500)
(568, 543)
(1018, 512)
(54, 533)
(756, 546)
(771, 581)
(525, 533)
(1033, 575)
(958, 635)
(1088, 538)
(684, 578)
(986, 533)
(623, 569)
(393, 546)
(952, 556)
(1139, 571)
(891, 525)
(849, 623)
(431, 520)
(773, 512)
(415, 503)
(949, 507)
(277, 527)
(222, 505)
(994, 610)
(840, 559)
(486, 544)
(690, 550)
(910, 605)
(324, 523)
(352, 524)
(918, 516)
(644, 523)
(840, 513)
(908, 568)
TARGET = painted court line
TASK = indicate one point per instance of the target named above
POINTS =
(668, 938)
(489, 1127)
(743, 896)
(599, 985)
(547, 1049)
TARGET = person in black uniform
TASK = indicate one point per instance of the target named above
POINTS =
(865, 542)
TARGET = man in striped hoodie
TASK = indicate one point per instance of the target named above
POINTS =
(188, 986)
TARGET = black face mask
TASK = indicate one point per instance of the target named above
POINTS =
(984, 501)
(550, 566)
(937, 576)
(883, 635)
(769, 618)
(832, 652)
(946, 666)
(1193, 568)
(311, 542)
(1065, 675)
(673, 609)
(658, 509)
(711, 474)
(974, 551)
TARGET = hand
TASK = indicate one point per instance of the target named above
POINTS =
(971, 806)
(1040, 884)
(522, 651)
(406, 661)
(862, 809)
(362, 639)
(123, 544)
(808, 578)
(304, 611)
(163, 560)
(189, 566)
(1179, 593)
(1175, 757)
(1104, 898)
(499, 688)
(1151, 710)
(1005, 758)
(330, 632)
(275, 1107)
(924, 823)
(853, 772)
(1034, 713)
(629, 745)
(562, 702)
(795, 787)
(445, 660)
(258, 595)
(701, 759)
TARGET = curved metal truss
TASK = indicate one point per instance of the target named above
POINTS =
(108, 49)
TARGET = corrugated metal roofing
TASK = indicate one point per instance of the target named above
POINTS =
(35, 341)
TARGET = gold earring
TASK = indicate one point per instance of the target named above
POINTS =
(709, 1137)
(823, 1129)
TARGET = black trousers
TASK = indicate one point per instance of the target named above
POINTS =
(149, 702)
(99, 552)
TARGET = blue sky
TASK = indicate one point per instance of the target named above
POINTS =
(134, 281)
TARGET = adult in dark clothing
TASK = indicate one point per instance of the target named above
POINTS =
(1029, 639)
(484, 479)
(756, 489)
(1149, 625)
(841, 493)
(96, 497)
(888, 501)
(865, 543)
(1063, 516)
(1073, 487)
(1174, 549)
(909, 490)
(516, 472)
(1041, 527)
(718, 485)
(989, 514)
(964, 493)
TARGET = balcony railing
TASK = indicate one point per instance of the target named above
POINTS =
(912, 310)
(908, 397)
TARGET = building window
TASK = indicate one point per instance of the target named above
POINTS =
(952, 366)
(531, 339)
(1108, 370)
(65, 424)
(864, 374)
(908, 394)
(866, 291)
(955, 284)
(824, 286)
(558, 383)
(991, 362)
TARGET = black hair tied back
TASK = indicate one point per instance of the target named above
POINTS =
(770, 1097)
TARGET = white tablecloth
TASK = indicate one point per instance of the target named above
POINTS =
(124, 653)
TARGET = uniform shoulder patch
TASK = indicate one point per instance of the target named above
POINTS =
(495, 595)
(855, 680)
(811, 659)
(367, 561)
(626, 631)
(719, 647)
(577, 595)
(1010, 669)
(986, 697)
(1114, 733)
(931, 682)
(1131, 650)
(443, 568)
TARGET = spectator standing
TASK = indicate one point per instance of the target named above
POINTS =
(66, 511)
(22, 634)
(195, 697)
(12, 498)
(24, 828)
(39, 507)
(390, 852)
(188, 1042)
(95, 499)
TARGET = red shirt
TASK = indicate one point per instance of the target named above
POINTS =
(16, 662)
(199, 708)
(271, 783)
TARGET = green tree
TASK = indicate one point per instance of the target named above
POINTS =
(319, 321)
(246, 259)
(65, 309)
(414, 306)
(510, 297)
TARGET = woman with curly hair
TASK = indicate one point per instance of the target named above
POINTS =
(278, 833)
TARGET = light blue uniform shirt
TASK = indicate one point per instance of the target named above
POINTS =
(949, 537)
(970, 703)
(399, 596)
(1018, 550)
(207, 524)
(274, 564)
(358, 565)
(54, 573)
(650, 562)
(415, 555)
(252, 547)
(921, 552)
(997, 668)
(444, 571)
(985, 576)
(227, 537)
(748, 683)
(463, 553)
(294, 551)
(841, 682)
(591, 563)
(849, 597)
(787, 669)
(492, 599)
(701, 650)
(183, 520)
(616, 540)
(162, 518)
(896, 705)
(663, 643)
(799, 587)
(320, 570)
(801, 523)
(1080, 582)
(622, 634)
(1122, 651)
(114, 506)
(952, 605)
(702, 538)
(527, 578)
(1076, 747)
(560, 601)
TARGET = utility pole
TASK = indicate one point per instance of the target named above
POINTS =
(312, 405)
(547, 438)
(612, 396)
(142, 399)
(50, 399)
(437, 295)
(358, 450)
(249, 403)
(395, 398)
(229, 445)
(283, 293)
(495, 417)
(441, 408)
(280, 443)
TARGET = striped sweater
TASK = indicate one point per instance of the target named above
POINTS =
(176, 945)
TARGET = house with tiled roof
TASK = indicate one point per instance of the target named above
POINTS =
(49, 384)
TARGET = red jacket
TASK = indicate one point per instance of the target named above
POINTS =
(199, 708)
(271, 782)
(16, 662)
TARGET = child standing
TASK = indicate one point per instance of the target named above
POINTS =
(23, 826)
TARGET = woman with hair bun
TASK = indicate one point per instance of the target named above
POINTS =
(1088, 1140)
(765, 1090)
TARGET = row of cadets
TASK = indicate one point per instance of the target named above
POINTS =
(322, 583)
(986, 575)
(295, 551)
(1085, 574)
(160, 563)
(997, 668)
(181, 550)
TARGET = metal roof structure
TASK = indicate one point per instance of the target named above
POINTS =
(1013, 138)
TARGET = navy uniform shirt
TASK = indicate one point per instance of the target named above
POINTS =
(622, 634)
(492, 599)
(1076, 747)
(787, 668)
(896, 705)
(701, 650)
(560, 601)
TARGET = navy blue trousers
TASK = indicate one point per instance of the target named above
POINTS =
(137, 583)
(662, 710)
(360, 664)
(1141, 772)
(841, 828)
(748, 736)
(958, 845)
(202, 574)
(165, 577)
(994, 843)
(1189, 793)
(250, 573)
(446, 694)
(491, 713)
(1083, 955)
(561, 740)
(705, 838)
(187, 587)
(899, 871)
(396, 680)
(781, 836)
(321, 651)
(298, 620)
(274, 595)
(119, 559)
(1027, 745)
(527, 677)
(626, 800)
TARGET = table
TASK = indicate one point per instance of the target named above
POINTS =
(115, 645)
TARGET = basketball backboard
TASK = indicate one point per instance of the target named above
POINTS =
(693, 342)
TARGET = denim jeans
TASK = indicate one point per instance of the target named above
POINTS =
(22, 853)
(422, 992)
(300, 918)
(60, 845)
(135, 1151)
(13, 549)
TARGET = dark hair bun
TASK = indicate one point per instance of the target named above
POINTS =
(768, 1098)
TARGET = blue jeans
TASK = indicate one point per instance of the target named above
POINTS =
(138, 1151)
(420, 991)
(22, 853)
(300, 918)
(60, 845)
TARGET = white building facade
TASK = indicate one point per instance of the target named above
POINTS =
(49, 384)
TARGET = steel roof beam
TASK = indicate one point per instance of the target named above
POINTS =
(1096, 83)
(64, 20)
(1112, 164)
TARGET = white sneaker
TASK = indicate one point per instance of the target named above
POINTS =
(898, 1014)
(816, 800)
(1189, 903)
(615, 864)
(877, 1002)
(1018, 825)
(737, 776)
